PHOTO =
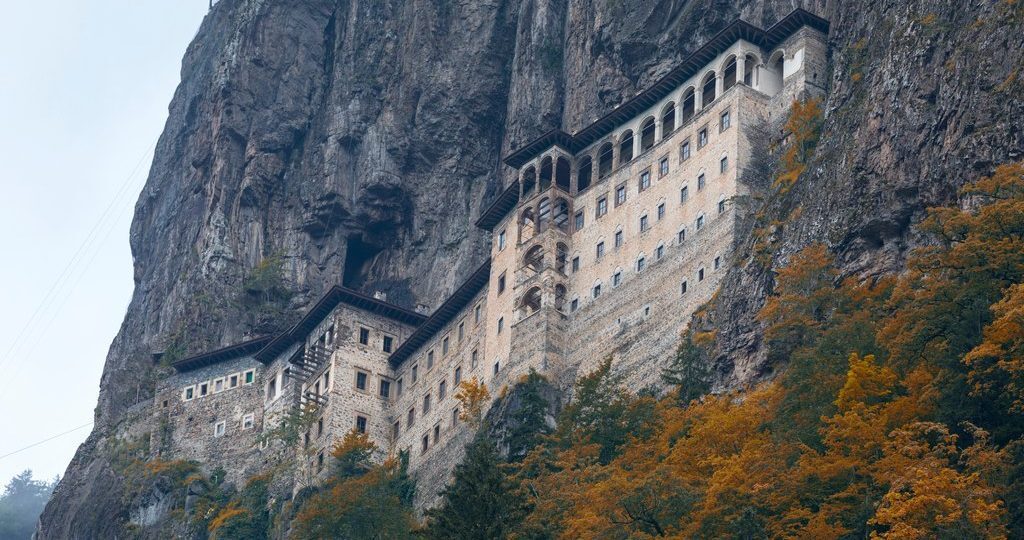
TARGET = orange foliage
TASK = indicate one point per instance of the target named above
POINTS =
(804, 124)
(473, 395)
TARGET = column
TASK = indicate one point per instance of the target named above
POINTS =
(741, 68)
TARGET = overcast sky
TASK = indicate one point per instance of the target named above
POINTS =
(84, 89)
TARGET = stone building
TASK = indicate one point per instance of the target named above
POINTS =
(604, 243)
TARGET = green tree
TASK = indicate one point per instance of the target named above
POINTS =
(529, 420)
(690, 371)
(20, 505)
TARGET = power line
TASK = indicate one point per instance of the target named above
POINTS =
(48, 439)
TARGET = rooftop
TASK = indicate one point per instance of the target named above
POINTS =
(231, 352)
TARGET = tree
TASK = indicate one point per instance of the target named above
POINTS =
(480, 502)
(529, 420)
(22, 501)
(690, 371)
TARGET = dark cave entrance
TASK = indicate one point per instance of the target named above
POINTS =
(359, 256)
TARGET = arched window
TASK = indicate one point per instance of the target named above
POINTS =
(561, 217)
(647, 133)
(543, 214)
(530, 302)
(604, 160)
(668, 119)
(534, 259)
(527, 225)
(707, 90)
(561, 255)
(584, 171)
(689, 104)
(626, 147)
(749, 65)
(562, 173)
(729, 74)
(529, 181)
(545, 173)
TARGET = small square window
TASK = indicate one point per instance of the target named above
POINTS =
(661, 211)
(361, 380)
(501, 283)
(701, 181)
(576, 264)
(620, 194)
(702, 138)
(723, 164)
(501, 240)
(645, 180)
(684, 194)
(248, 421)
(364, 336)
(644, 223)
(600, 250)
(684, 151)
(602, 206)
(385, 389)
(189, 393)
(389, 342)
(166, 403)
(220, 428)
(578, 220)
(203, 389)
(618, 239)
(250, 376)
(725, 121)
(233, 381)
(361, 424)
(663, 166)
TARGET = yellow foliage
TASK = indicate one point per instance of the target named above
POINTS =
(473, 395)
(230, 511)
(804, 125)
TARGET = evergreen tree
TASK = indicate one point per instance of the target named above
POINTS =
(20, 505)
(480, 503)
(529, 420)
(690, 371)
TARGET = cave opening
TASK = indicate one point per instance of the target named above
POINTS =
(359, 256)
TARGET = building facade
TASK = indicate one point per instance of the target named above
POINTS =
(603, 244)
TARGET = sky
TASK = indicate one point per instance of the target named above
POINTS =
(84, 90)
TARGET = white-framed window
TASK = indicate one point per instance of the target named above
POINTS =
(204, 388)
(702, 138)
(249, 377)
(189, 393)
(361, 380)
(389, 343)
(248, 421)
(501, 240)
(218, 386)
(220, 428)
(233, 381)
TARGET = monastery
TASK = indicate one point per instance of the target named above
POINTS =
(603, 243)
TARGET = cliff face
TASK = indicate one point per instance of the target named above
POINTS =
(355, 141)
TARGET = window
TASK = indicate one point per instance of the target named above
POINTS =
(501, 283)
(616, 279)
(497, 367)
(663, 166)
(476, 314)
(661, 211)
(641, 263)
(320, 461)
(327, 378)
(724, 121)
(360, 423)
(444, 347)
(620, 194)
(682, 288)
(219, 429)
(189, 393)
(385, 389)
(203, 389)
(681, 236)
(250, 376)
(426, 403)
(415, 372)
(644, 223)
(425, 445)
(721, 207)
(618, 239)
(702, 138)
(455, 416)
(597, 290)
(700, 222)
(576, 264)
(442, 390)
(305, 440)
(320, 426)
(430, 359)
(248, 421)
(701, 181)
(578, 223)
(361, 380)
(574, 305)
(501, 324)
(501, 240)
(602, 206)
(388, 343)
(723, 164)
(700, 275)
(462, 331)
(396, 428)
(410, 418)
(437, 433)
(659, 252)
(233, 381)
(398, 388)
(458, 373)
(645, 180)
(473, 359)
(271, 389)
(684, 151)
(718, 262)
(364, 336)
(600, 250)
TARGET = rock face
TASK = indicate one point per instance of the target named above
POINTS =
(356, 142)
